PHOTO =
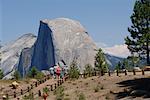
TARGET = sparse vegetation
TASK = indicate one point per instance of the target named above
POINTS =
(28, 97)
(1, 74)
(45, 90)
(73, 71)
(98, 88)
(82, 96)
(88, 69)
(59, 92)
(16, 75)
(34, 73)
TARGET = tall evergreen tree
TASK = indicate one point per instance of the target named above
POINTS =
(100, 61)
(139, 40)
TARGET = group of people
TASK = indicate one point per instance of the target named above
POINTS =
(58, 71)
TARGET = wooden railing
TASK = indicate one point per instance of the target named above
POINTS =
(52, 87)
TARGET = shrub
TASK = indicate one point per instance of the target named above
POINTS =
(34, 73)
(16, 75)
(88, 69)
(81, 96)
(1, 74)
(59, 92)
(73, 71)
(98, 87)
(45, 90)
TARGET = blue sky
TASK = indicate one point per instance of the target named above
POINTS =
(105, 20)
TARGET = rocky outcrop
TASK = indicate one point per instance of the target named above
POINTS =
(11, 52)
(61, 39)
(71, 41)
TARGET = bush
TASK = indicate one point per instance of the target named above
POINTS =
(81, 96)
(98, 87)
(73, 71)
(16, 75)
(88, 69)
(59, 92)
(45, 90)
(34, 73)
(1, 74)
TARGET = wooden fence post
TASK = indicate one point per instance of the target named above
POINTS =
(143, 72)
(39, 93)
(28, 88)
(125, 72)
(134, 72)
(14, 94)
(84, 75)
(51, 87)
(7, 95)
(36, 84)
(21, 92)
(109, 73)
(58, 83)
(95, 73)
(55, 85)
(117, 73)
(31, 86)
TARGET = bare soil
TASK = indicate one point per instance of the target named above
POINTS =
(109, 87)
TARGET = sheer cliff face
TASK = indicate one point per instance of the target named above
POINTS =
(71, 41)
(43, 54)
(59, 39)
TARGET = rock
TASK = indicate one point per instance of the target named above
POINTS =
(61, 39)
(11, 52)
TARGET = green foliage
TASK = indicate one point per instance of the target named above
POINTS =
(100, 61)
(59, 92)
(74, 71)
(16, 75)
(34, 73)
(88, 68)
(1, 74)
(45, 90)
(133, 60)
(139, 40)
(81, 96)
(125, 64)
(118, 66)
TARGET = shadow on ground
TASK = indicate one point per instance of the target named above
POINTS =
(135, 88)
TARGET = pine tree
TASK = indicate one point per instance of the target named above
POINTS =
(74, 71)
(139, 40)
(100, 61)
